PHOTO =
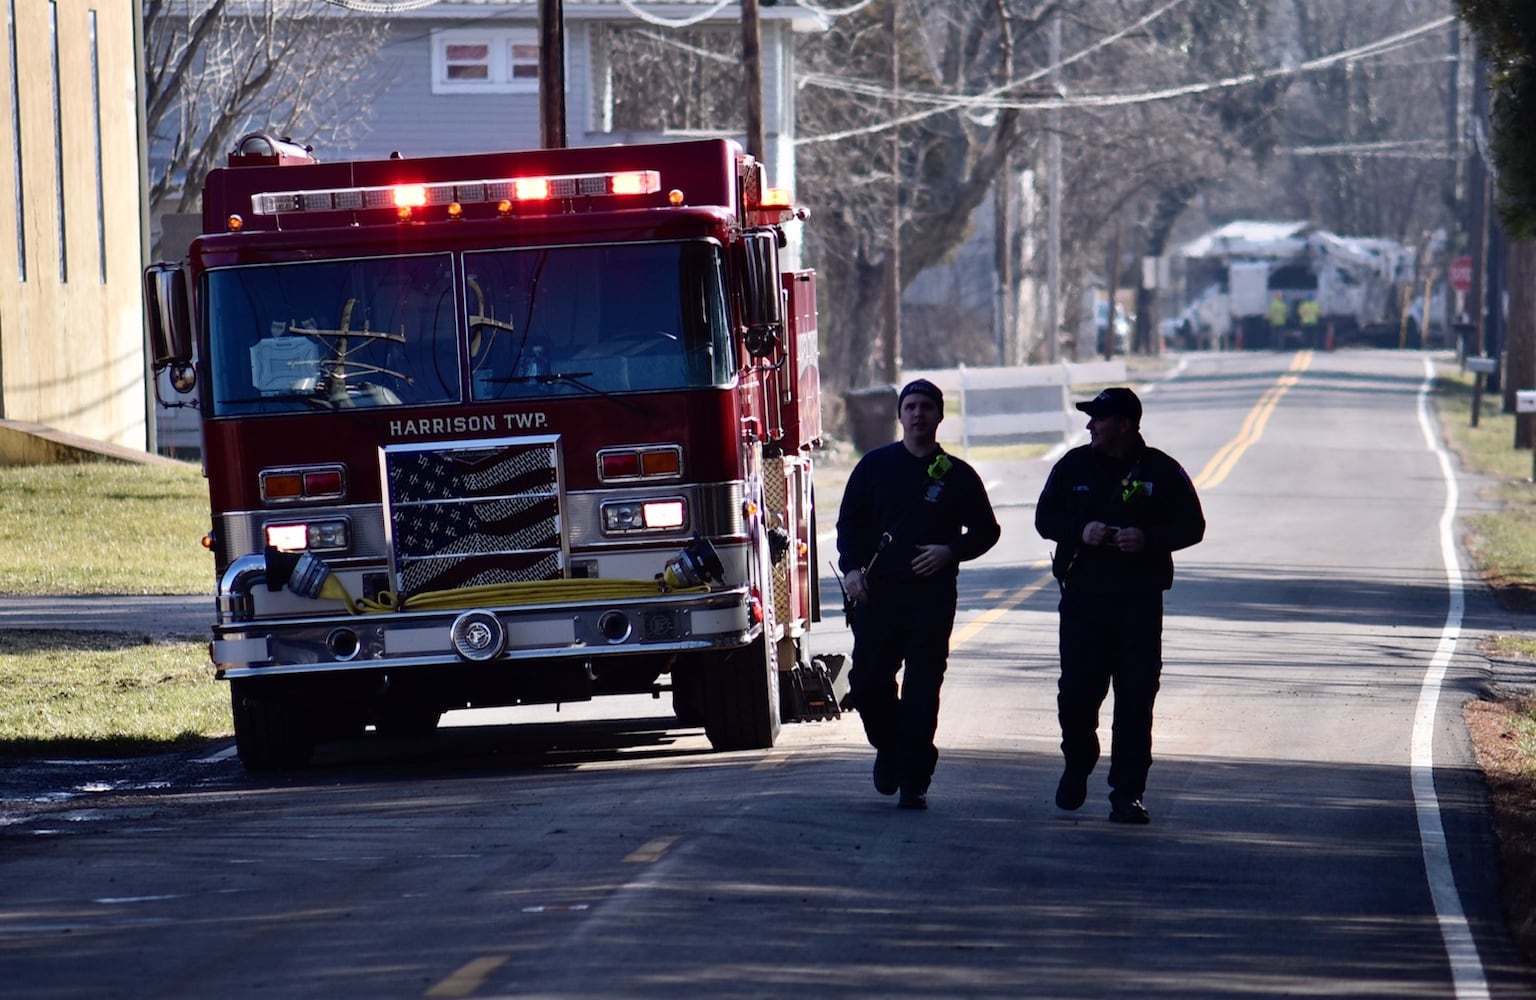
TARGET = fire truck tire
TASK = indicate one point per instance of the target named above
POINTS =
(741, 699)
(687, 697)
(272, 732)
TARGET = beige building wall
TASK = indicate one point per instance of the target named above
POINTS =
(71, 327)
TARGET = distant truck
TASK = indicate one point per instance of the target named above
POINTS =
(1354, 282)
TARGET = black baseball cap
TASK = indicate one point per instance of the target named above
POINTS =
(922, 387)
(1117, 401)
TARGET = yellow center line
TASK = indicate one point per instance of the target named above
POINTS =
(469, 977)
(1214, 472)
(647, 853)
(1248, 435)
(987, 618)
(774, 759)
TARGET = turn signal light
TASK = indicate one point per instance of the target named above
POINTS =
(320, 482)
(643, 462)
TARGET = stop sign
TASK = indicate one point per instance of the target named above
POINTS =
(1461, 274)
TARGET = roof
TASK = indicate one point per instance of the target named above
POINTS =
(1248, 239)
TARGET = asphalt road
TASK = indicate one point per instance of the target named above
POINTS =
(1319, 828)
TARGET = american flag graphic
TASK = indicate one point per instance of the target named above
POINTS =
(463, 515)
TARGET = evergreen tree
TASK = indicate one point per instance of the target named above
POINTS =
(1506, 32)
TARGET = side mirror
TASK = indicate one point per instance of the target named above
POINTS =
(168, 315)
(762, 303)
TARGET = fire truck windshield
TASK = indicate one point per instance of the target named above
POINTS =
(340, 333)
(605, 318)
(528, 322)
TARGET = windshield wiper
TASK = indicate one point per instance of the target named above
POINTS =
(549, 378)
(569, 378)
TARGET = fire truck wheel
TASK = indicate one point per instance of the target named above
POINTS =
(741, 699)
(272, 731)
(687, 696)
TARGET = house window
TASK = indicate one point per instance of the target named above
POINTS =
(485, 62)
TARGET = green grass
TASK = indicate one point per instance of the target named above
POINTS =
(1503, 543)
(105, 694)
(103, 528)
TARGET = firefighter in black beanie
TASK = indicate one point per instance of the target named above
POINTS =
(910, 515)
(1117, 510)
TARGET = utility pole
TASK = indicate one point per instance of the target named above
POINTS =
(1004, 298)
(752, 58)
(1478, 200)
(1520, 357)
(551, 74)
(892, 353)
(1114, 293)
(1053, 203)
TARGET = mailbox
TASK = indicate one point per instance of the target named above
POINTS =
(1482, 366)
(1525, 401)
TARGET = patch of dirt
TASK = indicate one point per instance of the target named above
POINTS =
(1510, 773)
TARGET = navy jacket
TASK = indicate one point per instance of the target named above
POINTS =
(1146, 489)
(891, 491)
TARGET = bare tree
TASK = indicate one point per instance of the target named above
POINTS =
(1131, 164)
(678, 80)
(216, 69)
(1367, 138)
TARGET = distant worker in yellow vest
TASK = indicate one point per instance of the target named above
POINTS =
(1277, 317)
(1308, 314)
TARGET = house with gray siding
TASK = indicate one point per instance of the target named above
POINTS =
(463, 76)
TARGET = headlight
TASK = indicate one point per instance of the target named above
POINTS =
(329, 535)
(624, 516)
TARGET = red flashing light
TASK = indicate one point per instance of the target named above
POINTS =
(530, 188)
(633, 182)
(410, 196)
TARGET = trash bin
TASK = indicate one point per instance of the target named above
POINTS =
(871, 416)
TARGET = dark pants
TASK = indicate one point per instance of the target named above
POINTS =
(914, 629)
(1110, 640)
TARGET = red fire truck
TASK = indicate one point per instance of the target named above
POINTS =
(502, 429)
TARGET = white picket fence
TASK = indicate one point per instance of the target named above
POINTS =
(1015, 405)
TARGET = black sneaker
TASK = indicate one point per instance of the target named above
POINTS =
(1071, 790)
(911, 798)
(1129, 812)
(886, 780)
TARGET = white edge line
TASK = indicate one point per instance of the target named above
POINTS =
(1467, 976)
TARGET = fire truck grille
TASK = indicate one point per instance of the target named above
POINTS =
(470, 514)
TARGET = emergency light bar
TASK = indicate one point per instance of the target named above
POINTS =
(508, 189)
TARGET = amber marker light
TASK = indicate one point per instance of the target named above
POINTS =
(235, 223)
(455, 210)
(674, 197)
(661, 462)
(282, 486)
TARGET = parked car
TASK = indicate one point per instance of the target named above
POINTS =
(1202, 324)
(1122, 328)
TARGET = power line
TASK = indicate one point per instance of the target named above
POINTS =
(993, 98)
